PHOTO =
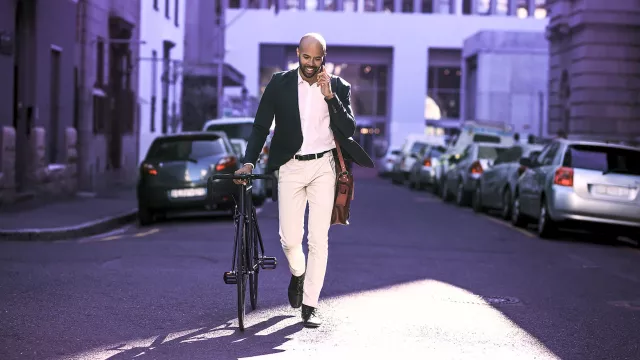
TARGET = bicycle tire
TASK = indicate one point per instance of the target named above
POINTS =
(254, 256)
(241, 272)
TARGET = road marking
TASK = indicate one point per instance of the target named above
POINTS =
(152, 231)
(504, 223)
(109, 238)
(631, 305)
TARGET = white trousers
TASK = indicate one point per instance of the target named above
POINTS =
(299, 182)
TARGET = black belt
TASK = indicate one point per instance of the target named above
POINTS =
(311, 156)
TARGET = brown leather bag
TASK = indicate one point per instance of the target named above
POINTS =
(344, 193)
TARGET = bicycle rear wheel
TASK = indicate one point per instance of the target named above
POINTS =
(254, 256)
(241, 270)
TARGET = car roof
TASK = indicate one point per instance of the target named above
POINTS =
(194, 134)
(595, 143)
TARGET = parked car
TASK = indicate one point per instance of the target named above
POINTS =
(414, 147)
(173, 176)
(591, 185)
(496, 185)
(460, 180)
(240, 128)
(385, 163)
(422, 173)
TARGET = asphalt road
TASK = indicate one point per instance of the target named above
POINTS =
(410, 278)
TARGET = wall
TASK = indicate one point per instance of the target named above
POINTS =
(594, 69)
(155, 28)
(511, 79)
(7, 23)
(410, 38)
(94, 146)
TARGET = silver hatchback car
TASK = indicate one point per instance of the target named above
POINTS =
(593, 185)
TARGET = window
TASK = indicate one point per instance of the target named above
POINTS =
(233, 4)
(186, 149)
(491, 153)
(547, 155)
(443, 89)
(99, 63)
(603, 158)
(176, 13)
(407, 6)
(167, 10)
(428, 6)
(155, 5)
(233, 131)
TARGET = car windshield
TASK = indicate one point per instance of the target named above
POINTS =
(437, 151)
(489, 152)
(185, 149)
(233, 131)
(603, 158)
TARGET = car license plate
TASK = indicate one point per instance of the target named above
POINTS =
(612, 190)
(185, 193)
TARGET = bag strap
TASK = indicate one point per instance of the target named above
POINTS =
(343, 168)
(340, 158)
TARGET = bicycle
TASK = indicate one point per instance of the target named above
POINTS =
(248, 249)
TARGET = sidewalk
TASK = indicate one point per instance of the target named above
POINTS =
(76, 217)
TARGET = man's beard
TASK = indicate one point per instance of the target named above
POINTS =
(303, 70)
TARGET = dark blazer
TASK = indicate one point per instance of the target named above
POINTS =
(280, 100)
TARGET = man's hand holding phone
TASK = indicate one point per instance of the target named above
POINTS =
(324, 81)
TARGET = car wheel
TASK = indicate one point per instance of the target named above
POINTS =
(506, 204)
(145, 216)
(476, 202)
(517, 219)
(546, 227)
(461, 196)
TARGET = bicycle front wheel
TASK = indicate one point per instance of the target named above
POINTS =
(241, 271)
(254, 257)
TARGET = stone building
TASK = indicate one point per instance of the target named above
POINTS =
(107, 48)
(594, 68)
(37, 136)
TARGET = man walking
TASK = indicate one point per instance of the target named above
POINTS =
(312, 112)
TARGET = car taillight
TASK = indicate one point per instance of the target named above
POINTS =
(563, 176)
(225, 163)
(476, 167)
(149, 169)
(427, 162)
(521, 170)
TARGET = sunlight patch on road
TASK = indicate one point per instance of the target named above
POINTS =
(422, 319)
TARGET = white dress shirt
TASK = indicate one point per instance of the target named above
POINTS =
(314, 117)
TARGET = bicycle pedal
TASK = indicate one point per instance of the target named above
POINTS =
(230, 278)
(268, 262)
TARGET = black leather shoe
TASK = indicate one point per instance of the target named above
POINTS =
(295, 291)
(310, 317)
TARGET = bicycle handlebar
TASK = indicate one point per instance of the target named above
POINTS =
(250, 177)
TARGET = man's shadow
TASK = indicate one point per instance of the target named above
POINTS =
(226, 347)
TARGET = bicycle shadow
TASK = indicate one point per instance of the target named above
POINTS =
(215, 343)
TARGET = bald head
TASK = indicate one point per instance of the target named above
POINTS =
(312, 42)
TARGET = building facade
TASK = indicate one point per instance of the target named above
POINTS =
(505, 79)
(108, 122)
(160, 69)
(205, 71)
(37, 58)
(594, 69)
(397, 54)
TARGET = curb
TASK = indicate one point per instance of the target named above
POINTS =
(89, 228)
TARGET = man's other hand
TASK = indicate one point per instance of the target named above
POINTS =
(246, 169)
